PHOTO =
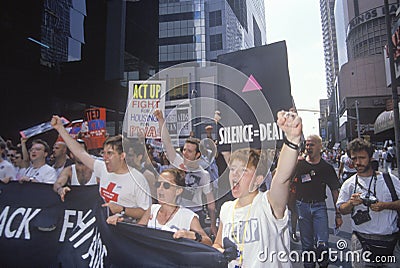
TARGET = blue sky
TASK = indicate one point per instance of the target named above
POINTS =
(299, 24)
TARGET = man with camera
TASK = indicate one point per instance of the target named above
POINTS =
(369, 200)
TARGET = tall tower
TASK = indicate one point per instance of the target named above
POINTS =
(331, 64)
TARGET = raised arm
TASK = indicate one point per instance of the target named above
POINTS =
(72, 144)
(25, 154)
(165, 137)
(278, 195)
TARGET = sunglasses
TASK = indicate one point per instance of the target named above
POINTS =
(165, 184)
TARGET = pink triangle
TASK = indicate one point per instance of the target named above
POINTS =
(251, 85)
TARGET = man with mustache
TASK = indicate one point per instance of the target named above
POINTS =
(367, 197)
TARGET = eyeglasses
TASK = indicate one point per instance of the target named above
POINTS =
(36, 149)
(11, 155)
(310, 144)
(165, 184)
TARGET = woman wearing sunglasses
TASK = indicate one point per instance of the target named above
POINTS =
(169, 216)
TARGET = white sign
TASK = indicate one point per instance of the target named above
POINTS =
(143, 99)
(178, 122)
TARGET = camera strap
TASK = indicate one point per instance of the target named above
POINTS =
(373, 178)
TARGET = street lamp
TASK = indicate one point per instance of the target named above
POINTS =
(358, 119)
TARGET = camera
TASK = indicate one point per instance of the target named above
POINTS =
(360, 217)
(368, 199)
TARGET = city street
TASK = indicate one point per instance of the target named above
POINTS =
(342, 238)
(343, 235)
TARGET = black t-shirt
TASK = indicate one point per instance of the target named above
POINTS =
(311, 180)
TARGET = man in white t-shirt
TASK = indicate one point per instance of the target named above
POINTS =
(197, 179)
(124, 189)
(39, 171)
(367, 198)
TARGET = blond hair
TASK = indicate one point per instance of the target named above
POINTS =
(315, 137)
(252, 158)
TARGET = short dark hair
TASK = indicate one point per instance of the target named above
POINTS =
(18, 151)
(194, 141)
(115, 142)
(179, 176)
(2, 145)
(358, 145)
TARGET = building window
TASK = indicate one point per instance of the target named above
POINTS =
(215, 42)
(239, 7)
(215, 18)
(367, 39)
(178, 88)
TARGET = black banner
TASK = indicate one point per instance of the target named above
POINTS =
(38, 230)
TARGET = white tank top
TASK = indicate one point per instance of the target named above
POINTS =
(75, 181)
(181, 220)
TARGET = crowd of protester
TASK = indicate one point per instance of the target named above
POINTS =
(179, 189)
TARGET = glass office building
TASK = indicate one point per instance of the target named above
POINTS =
(200, 30)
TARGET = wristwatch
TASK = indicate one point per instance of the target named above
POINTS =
(122, 213)
(198, 236)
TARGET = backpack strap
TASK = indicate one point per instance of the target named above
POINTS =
(389, 184)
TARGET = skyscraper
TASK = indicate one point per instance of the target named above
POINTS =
(361, 81)
(198, 31)
(331, 66)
